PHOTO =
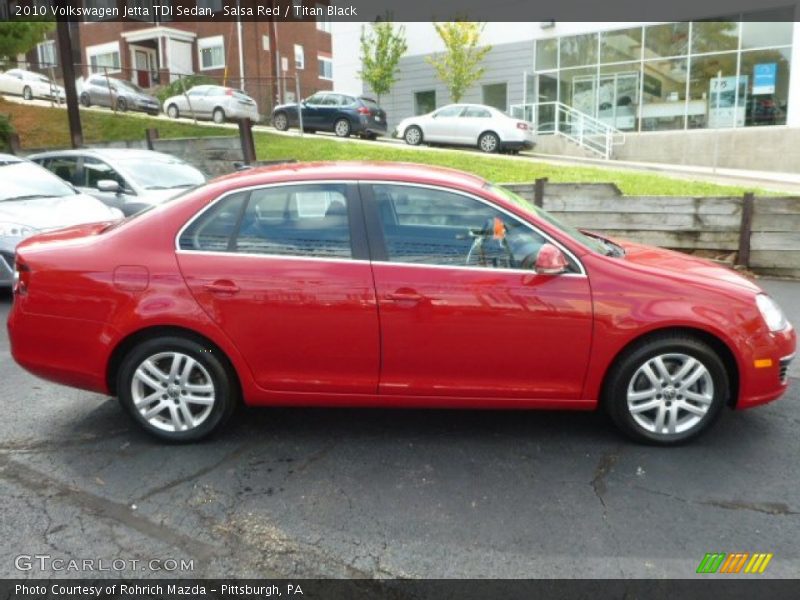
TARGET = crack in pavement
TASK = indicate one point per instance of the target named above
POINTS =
(40, 483)
(767, 508)
(25, 446)
(236, 453)
(601, 471)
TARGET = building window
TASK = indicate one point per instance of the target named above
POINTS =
(323, 21)
(299, 57)
(104, 57)
(325, 67)
(701, 74)
(424, 102)
(496, 95)
(212, 52)
(46, 53)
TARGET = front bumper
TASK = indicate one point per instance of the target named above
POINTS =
(6, 269)
(764, 377)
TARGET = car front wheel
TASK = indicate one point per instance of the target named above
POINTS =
(413, 136)
(489, 142)
(173, 112)
(176, 388)
(27, 94)
(85, 100)
(342, 128)
(666, 390)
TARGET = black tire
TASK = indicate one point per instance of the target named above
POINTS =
(413, 135)
(218, 115)
(173, 112)
(86, 100)
(489, 142)
(281, 121)
(225, 386)
(342, 128)
(625, 376)
(122, 105)
(27, 94)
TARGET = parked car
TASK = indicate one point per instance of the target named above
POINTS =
(213, 102)
(486, 127)
(123, 178)
(30, 85)
(374, 284)
(33, 200)
(328, 111)
(105, 91)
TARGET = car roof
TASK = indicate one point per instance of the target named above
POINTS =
(107, 153)
(355, 170)
(9, 159)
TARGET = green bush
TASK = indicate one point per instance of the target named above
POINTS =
(177, 86)
(6, 129)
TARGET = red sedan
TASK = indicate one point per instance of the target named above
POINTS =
(387, 285)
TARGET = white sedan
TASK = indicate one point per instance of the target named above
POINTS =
(214, 102)
(29, 85)
(486, 127)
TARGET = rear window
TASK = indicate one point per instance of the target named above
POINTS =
(370, 103)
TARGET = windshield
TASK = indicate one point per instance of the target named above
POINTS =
(22, 180)
(590, 242)
(127, 85)
(161, 175)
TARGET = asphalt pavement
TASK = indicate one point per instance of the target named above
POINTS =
(389, 493)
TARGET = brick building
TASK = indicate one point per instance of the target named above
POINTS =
(260, 57)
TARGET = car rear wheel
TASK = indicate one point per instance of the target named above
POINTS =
(173, 112)
(27, 94)
(86, 100)
(281, 121)
(342, 128)
(413, 136)
(489, 142)
(176, 388)
(666, 390)
(218, 115)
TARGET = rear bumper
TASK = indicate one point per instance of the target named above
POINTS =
(517, 145)
(370, 126)
(67, 351)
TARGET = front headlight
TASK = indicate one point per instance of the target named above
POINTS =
(15, 230)
(771, 313)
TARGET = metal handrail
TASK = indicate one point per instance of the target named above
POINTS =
(583, 129)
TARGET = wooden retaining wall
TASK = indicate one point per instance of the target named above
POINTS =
(683, 223)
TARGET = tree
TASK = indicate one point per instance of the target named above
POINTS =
(459, 66)
(18, 37)
(382, 46)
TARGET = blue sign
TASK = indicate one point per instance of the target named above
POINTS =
(764, 76)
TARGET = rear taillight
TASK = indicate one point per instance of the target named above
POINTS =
(363, 110)
(229, 92)
(22, 276)
(521, 125)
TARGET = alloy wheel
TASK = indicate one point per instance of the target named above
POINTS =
(342, 128)
(670, 394)
(413, 136)
(488, 142)
(173, 392)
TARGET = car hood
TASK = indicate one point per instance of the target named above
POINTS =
(677, 263)
(290, 106)
(49, 213)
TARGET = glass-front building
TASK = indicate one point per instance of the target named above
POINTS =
(702, 74)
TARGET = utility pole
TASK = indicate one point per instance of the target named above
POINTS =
(68, 70)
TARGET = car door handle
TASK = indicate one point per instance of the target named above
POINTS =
(404, 296)
(221, 286)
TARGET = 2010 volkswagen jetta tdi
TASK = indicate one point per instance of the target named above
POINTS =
(387, 285)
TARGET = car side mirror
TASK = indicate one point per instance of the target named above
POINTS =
(550, 261)
(108, 185)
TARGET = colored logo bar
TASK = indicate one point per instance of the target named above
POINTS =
(736, 562)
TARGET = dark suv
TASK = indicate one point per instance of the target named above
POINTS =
(329, 111)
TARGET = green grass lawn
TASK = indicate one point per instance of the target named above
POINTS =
(41, 127)
(496, 168)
